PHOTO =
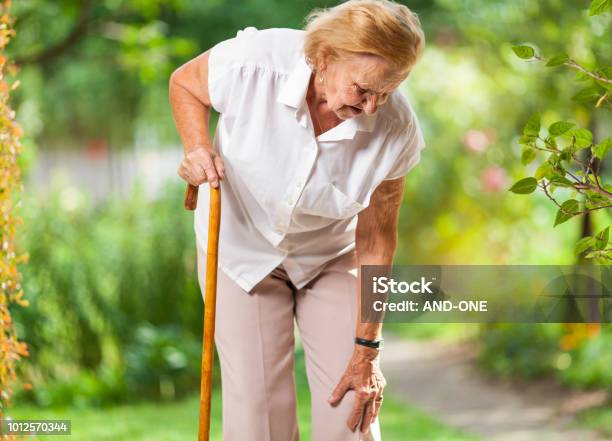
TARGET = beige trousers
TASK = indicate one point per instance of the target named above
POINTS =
(254, 337)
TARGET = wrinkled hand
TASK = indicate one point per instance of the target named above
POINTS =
(202, 165)
(363, 375)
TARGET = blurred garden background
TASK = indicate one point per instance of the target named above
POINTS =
(114, 320)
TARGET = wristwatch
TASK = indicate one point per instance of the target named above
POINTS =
(376, 344)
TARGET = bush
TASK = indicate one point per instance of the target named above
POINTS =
(527, 350)
(574, 354)
(105, 281)
(590, 364)
(163, 362)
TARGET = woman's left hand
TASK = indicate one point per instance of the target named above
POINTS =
(363, 375)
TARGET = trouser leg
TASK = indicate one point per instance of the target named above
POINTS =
(326, 313)
(254, 340)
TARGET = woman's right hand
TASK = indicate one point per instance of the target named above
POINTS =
(202, 165)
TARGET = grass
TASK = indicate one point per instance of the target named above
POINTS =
(178, 420)
(427, 331)
(599, 419)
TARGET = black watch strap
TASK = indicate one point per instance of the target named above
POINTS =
(376, 344)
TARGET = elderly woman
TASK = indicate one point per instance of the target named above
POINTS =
(311, 149)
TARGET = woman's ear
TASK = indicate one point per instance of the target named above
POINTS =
(321, 63)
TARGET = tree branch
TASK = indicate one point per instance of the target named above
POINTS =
(544, 187)
(572, 63)
(596, 189)
(78, 31)
(554, 149)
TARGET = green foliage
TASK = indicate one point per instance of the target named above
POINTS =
(597, 245)
(601, 149)
(557, 60)
(520, 350)
(524, 186)
(588, 94)
(106, 283)
(528, 156)
(532, 128)
(83, 389)
(163, 361)
(600, 6)
(524, 52)
(567, 210)
(534, 350)
(566, 145)
(590, 363)
(559, 128)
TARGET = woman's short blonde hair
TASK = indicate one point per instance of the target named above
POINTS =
(379, 27)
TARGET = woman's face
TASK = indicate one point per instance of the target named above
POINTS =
(358, 84)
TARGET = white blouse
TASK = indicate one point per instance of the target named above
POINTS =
(290, 197)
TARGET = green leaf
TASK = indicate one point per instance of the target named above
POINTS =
(584, 244)
(566, 154)
(587, 94)
(557, 60)
(593, 204)
(545, 170)
(559, 128)
(532, 128)
(605, 72)
(599, 7)
(592, 254)
(551, 141)
(524, 186)
(561, 181)
(528, 155)
(601, 240)
(568, 210)
(600, 257)
(554, 159)
(595, 195)
(583, 137)
(581, 76)
(602, 148)
(524, 52)
(527, 139)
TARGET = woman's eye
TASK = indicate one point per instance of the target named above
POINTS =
(359, 89)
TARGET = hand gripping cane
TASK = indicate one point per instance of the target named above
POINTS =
(210, 299)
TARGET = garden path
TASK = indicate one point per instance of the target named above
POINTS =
(444, 380)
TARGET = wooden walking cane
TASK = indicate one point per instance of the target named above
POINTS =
(210, 299)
